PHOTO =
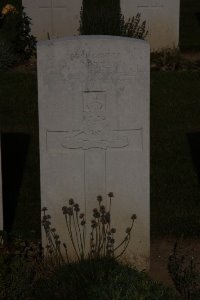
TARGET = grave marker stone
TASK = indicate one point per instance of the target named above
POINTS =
(162, 17)
(94, 131)
(53, 18)
(61, 17)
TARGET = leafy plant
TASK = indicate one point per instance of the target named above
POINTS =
(185, 274)
(101, 239)
(15, 31)
(132, 27)
(105, 18)
(101, 278)
(100, 17)
(171, 60)
(7, 56)
(21, 265)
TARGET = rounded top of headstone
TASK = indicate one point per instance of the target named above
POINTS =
(91, 37)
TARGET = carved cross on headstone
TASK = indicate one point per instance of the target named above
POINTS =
(95, 138)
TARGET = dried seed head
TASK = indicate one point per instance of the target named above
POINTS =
(81, 216)
(113, 230)
(76, 207)
(83, 222)
(134, 217)
(111, 195)
(96, 215)
(44, 209)
(99, 198)
(71, 201)
(56, 236)
(64, 209)
(94, 224)
(102, 209)
(128, 230)
(70, 211)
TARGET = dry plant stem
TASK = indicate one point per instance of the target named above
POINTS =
(126, 237)
(84, 235)
(66, 252)
(56, 249)
(96, 238)
(77, 239)
(51, 244)
(80, 236)
(58, 252)
(126, 245)
(70, 234)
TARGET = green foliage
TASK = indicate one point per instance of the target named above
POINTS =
(7, 56)
(99, 279)
(185, 274)
(26, 274)
(100, 17)
(105, 18)
(132, 27)
(15, 33)
(171, 60)
(21, 265)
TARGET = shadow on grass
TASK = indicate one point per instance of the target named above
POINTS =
(14, 152)
(194, 142)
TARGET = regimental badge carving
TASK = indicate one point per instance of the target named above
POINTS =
(95, 131)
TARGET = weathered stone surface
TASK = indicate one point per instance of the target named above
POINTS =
(1, 195)
(53, 18)
(61, 17)
(94, 131)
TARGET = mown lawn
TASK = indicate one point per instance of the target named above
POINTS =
(175, 185)
(19, 115)
(175, 124)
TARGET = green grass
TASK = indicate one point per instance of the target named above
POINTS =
(101, 279)
(189, 25)
(19, 114)
(175, 187)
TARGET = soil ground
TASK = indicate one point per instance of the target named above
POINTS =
(161, 249)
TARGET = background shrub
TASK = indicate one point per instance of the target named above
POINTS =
(15, 32)
(101, 279)
(185, 273)
(7, 56)
(104, 17)
(100, 17)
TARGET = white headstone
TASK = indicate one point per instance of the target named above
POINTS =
(94, 131)
(162, 18)
(53, 18)
(1, 193)
(61, 17)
